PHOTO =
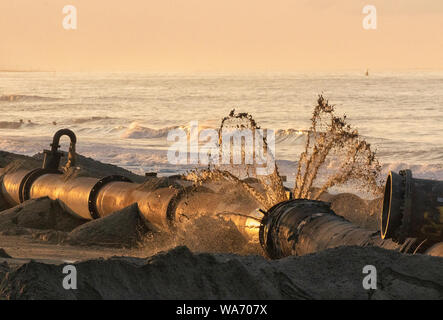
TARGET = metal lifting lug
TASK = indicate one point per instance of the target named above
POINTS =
(51, 160)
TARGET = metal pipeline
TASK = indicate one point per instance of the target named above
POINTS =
(412, 208)
(300, 226)
(248, 225)
(294, 227)
(93, 198)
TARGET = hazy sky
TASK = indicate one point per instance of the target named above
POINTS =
(221, 36)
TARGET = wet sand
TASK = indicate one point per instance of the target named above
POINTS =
(24, 249)
(181, 274)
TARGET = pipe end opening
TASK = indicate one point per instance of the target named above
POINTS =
(385, 218)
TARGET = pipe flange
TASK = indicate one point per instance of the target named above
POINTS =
(271, 221)
(406, 209)
(178, 197)
(26, 183)
(92, 205)
(268, 220)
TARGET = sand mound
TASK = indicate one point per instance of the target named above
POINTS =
(93, 168)
(43, 214)
(3, 204)
(364, 213)
(89, 166)
(4, 254)
(123, 229)
(211, 234)
(51, 236)
(26, 162)
(202, 234)
(4, 269)
(436, 250)
(180, 274)
(154, 183)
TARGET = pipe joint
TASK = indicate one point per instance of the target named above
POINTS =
(281, 225)
(24, 191)
(92, 200)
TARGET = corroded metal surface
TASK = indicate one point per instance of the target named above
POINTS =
(299, 227)
(162, 206)
(412, 208)
(52, 157)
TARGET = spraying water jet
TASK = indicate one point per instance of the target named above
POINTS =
(91, 198)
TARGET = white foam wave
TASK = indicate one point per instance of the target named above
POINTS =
(90, 119)
(17, 124)
(136, 131)
(21, 97)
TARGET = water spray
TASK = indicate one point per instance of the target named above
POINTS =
(92, 198)
(412, 210)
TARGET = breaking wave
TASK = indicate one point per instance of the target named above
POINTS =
(17, 124)
(24, 98)
(90, 119)
(290, 135)
(136, 131)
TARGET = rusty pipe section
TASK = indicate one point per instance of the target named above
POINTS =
(300, 226)
(412, 208)
(75, 193)
(247, 225)
(92, 198)
(86, 197)
(294, 227)
(10, 186)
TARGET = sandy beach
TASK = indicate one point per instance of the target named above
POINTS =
(119, 259)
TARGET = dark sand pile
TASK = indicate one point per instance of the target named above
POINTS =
(122, 229)
(436, 250)
(93, 168)
(3, 203)
(89, 167)
(28, 162)
(4, 254)
(40, 214)
(47, 220)
(44, 219)
(211, 234)
(364, 213)
(202, 234)
(4, 269)
(180, 274)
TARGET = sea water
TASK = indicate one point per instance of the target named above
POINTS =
(124, 118)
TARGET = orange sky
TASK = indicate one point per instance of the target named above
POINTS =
(221, 36)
